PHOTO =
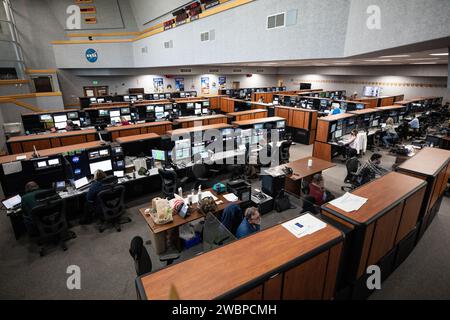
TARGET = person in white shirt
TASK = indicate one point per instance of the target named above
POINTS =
(390, 133)
(351, 143)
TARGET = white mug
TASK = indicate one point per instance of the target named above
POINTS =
(310, 163)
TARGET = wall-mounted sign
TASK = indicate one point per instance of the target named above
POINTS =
(222, 80)
(91, 55)
(179, 84)
(158, 84)
(205, 85)
(211, 4)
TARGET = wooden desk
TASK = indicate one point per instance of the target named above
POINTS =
(227, 105)
(431, 165)
(23, 144)
(298, 118)
(271, 264)
(256, 121)
(160, 127)
(248, 115)
(158, 232)
(389, 216)
(139, 137)
(53, 151)
(178, 132)
(302, 171)
(204, 120)
(390, 108)
(107, 105)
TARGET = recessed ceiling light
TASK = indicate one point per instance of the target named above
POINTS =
(439, 54)
(420, 59)
(397, 56)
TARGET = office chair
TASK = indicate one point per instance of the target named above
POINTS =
(284, 151)
(232, 217)
(111, 203)
(352, 178)
(50, 219)
(202, 175)
(170, 182)
(142, 260)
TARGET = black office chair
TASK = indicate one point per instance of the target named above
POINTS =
(170, 182)
(309, 205)
(232, 217)
(352, 178)
(50, 219)
(284, 151)
(111, 202)
(203, 174)
(142, 260)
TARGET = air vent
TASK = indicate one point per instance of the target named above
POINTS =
(185, 70)
(212, 35)
(204, 36)
(213, 71)
(144, 50)
(168, 44)
(275, 21)
(237, 70)
(260, 70)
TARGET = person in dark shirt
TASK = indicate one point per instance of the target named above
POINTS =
(96, 186)
(28, 203)
(250, 224)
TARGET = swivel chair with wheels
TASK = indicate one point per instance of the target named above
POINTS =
(352, 178)
(170, 182)
(203, 174)
(284, 151)
(111, 203)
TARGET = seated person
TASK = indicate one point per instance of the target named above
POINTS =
(28, 203)
(250, 224)
(232, 217)
(414, 123)
(352, 142)
(124, 121)
(99, 184)
(371, 169)
(390, 133)
(317, 190)
(70, 126)
(336, 110)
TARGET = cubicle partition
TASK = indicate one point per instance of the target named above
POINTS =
(301, 123)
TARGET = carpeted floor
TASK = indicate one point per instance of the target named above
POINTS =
(107, 270)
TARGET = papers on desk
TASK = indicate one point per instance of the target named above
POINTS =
(231, 197)
(304, 225)
(349, 202)
(195, 196)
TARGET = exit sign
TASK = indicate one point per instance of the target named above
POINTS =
(95, 82)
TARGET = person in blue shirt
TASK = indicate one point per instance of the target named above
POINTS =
(250, 224)
(414, 123)
(336, 110)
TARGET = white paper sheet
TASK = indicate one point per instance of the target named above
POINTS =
(304, 225)
(349, 202)
(231, 197)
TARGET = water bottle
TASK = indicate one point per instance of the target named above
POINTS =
(180, 192)
(199, 194)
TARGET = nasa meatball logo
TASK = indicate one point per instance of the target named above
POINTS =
(91, 55)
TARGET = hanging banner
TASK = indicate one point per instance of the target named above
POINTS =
(205, 85)
(179, 84)
(222, 80)
(158, 84)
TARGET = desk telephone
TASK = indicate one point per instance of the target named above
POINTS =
(288, 171)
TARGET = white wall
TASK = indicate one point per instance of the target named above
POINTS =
(148, 10)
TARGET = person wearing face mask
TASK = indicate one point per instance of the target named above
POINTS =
(250, 224)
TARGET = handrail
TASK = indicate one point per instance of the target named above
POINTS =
(22, 104)
(13, 81)
(224, 6)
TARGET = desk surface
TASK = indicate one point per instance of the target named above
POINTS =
(151, 102)
(336, 117)
(51, 135)
(184, 100)
(138, 137)
(201, 118)
(364, 111)
(301, 169)
(382, 194)
(256, 121)
(53, 151)
(217, 126)
(386, 108)
(241, 113)
(139, 125)
(114, 105)
(428, 161)
(217, 272)
(178, 221)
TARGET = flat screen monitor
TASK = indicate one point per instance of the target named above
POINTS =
(140, 97)
(162, 96)
(375, 123)
(159, 109)
(115, 120)
(103, 113)
(150, 108)
(61, 118)
(258, 126)
(198, 149)
(359, 106)
(114, 113)
(77, 122)
(45, 117)
(168, 107)
(168, 95)
(182, 154)
(12, 202)
(281, 124)
(206, 104)
(93, 100)
(119, 174)
(323, 102)
(227, 132)
(105, 166)
(100, 100)
(104, 152)
(198, 111)
(335, 105)
(125, 110)
(182, 95)
(159, 115)
(400, 118)
(54, 162)
(198, 106)
(72, 115)
(183, 144)
(190, 105)
(60, 125)
(333, 127)
(81, 182)
(128, 118)
(205, 111)
(41, 164)
(338, 134)
(159, 155)
(126, 98)
(155, 96)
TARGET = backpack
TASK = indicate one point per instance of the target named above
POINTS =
(282, 201)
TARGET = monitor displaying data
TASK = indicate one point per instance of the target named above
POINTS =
(338, 134)
(114, 113)
(61, 118)
(81, 182)
(150, 108)
(159, 109)
(105, 165)
(159, 155)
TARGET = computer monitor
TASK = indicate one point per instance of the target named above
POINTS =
(45, 117)
(359, 106)
(258, 126)
(72, 115)
(183, 144)
(198, 111)
(182, 94)
(281, 124)
(103, 113)
(159, 109)
(159, 115)
(60, 125)
(81, 182)
(115, 120)
(114, 113)
(182, 154)
(100, 100)
(156, 96)
(335, 104)
(54, 162)
(119, 173)
(12, 202)
(150, 108)
(168, 107)
(198, 149)
(126, 98)
(168, 95)
(93, 100)
(60, 118)
(227, 132)
(140, 96)
(333, 127)
(105, 165)
(159, 155)
(190, 105)
(338, 134)
(125, 110)
(375, 123)
(162, 96)
(205, 111)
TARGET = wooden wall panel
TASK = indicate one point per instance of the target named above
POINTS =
(322, 150)
(322, 131)
(366, 249)
(27, 146)
(254, 294)
(272, 288)
(410, 215)
(334, 260)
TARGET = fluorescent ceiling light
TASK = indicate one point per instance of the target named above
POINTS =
(439, 54)
(379, 60)
(397, 56)
(424, 63)
(419, 59)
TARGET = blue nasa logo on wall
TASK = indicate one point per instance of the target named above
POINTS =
(91, 55)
